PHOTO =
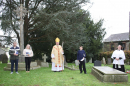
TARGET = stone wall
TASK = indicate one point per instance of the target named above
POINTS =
(107, 46)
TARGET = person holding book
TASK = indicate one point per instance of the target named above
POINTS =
(14, 53)
(80, 57)
(28, 53)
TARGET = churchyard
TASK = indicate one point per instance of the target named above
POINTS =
(45, 77)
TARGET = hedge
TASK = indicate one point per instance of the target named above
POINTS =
(108, 54)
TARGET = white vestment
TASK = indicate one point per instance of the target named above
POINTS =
(58, 68)
(117, 54)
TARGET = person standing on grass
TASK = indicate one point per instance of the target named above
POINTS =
(28, 53)
(14, 53)
(57, 57)
(80, 57)
(118, 57)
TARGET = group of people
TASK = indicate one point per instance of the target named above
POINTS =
(14, 56)
(118, 57)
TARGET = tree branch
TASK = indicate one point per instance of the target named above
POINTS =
(42, 36)
(35, 7)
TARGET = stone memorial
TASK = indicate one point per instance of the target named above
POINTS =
(38, 62)
(21, 12)
(108, 74)
(108, 60)
(97, 63)
(21, 66)
(44, 64)
(4, 58)
(104, 61)
(76, 62)
(90, 61)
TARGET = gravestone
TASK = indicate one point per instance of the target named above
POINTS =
(44, 57)
(38, 62)
(76, 62)
(104, 61)
(4, 58)
(44, 64)
(90, 61)
(108, 60)
(108, 74)
(97, 63)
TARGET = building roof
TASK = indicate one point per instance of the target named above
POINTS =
(118, 37)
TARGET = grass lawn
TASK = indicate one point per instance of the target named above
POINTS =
(45, 77)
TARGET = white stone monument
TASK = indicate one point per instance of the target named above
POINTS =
(21, 12)
(104, 61)
(44, 64)
(90, 61)
(76, 62)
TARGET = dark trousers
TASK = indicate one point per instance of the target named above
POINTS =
(82, 63)
(120, 69)
(27, 62)
(16, 65)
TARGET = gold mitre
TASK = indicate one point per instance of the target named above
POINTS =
(57, 39)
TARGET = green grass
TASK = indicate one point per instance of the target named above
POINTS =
(45, 77)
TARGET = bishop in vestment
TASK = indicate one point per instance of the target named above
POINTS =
(57, 57)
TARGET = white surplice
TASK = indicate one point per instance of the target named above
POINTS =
(117, 54)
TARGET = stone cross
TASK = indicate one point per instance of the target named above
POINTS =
(21, 12)
(44, 57)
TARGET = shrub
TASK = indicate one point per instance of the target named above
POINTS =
(108, 54)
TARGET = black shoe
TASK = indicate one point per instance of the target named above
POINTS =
(85, 73)
(80, 72)
(54, 71)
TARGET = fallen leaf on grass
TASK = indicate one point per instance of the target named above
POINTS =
(72, 78)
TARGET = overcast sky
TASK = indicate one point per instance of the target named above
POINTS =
(114, 12)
